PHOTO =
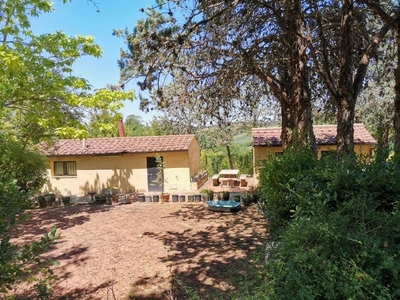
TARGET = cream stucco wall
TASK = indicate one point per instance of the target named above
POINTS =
(364, 150)
(194, 157)
(263, 153)
(127, 172)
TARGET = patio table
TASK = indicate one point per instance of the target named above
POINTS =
(229, 177)
(229, 173)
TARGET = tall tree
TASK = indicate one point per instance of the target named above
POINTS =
(343, 45)
(376, 102)
(134, 126)
(223, 46)
(102, 123)
(390, 15)
(39, 95)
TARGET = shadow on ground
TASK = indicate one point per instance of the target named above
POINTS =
(207, 263)
(207, 253)
(38, 222)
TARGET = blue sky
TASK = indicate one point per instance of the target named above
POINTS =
(79, 17)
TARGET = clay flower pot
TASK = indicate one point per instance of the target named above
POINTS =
(165, 197)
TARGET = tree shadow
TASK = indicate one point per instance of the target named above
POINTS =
(85, 292)
(207, 261)
(120, 179)
(193, 211)
(75, 256)
(38, 222)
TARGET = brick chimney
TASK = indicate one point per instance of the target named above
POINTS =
(121, 128)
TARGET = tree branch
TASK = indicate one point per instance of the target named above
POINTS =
(365, 59)
(377, 8)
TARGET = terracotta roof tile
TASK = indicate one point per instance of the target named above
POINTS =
(324, 135)
(103, 146)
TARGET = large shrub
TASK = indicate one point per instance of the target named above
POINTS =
(22, 163)
(16, 262)
(280, 181)
(243, 159)
(214, 161)
(21, 175)
(336, 228)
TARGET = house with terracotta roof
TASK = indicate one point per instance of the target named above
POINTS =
(267, 142)
(77, 167)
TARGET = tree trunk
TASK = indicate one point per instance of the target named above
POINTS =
(346, 99)
(297, 127)
(396, 118)
(345, 128)
(228, 151)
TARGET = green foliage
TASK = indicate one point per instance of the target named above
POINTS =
(159, 180)
(27, 166)
(335, 228)
(21, 262)
(214, 161)
(159, 126)
(251, 281)
(103, 124)
(134, 126)
(242, 138)
(279, 180)
(243, 159)
(37, 73)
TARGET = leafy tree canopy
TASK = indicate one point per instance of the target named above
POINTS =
(292, 52)
(39, 95)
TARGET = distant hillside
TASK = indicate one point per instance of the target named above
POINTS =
(243, 138)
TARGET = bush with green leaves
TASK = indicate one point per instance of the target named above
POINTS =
(215, 160)
(335, 225)
(21, 175)
(21, 263)
(280, 180)
(23, 163)
(243, 159)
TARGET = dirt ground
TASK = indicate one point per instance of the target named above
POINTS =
(146, 250)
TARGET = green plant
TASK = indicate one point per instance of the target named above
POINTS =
(215, 160)
(189, 291)
(43, 289)
(243, 159)
(280, 181)
(208, 194)
(159, 180)
(21, 263)
(24, 164)
(335, 227)
(250, 282)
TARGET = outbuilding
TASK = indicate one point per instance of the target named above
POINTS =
(78, 167)
(267, 142)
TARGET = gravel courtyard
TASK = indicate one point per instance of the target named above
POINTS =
(146, 250)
